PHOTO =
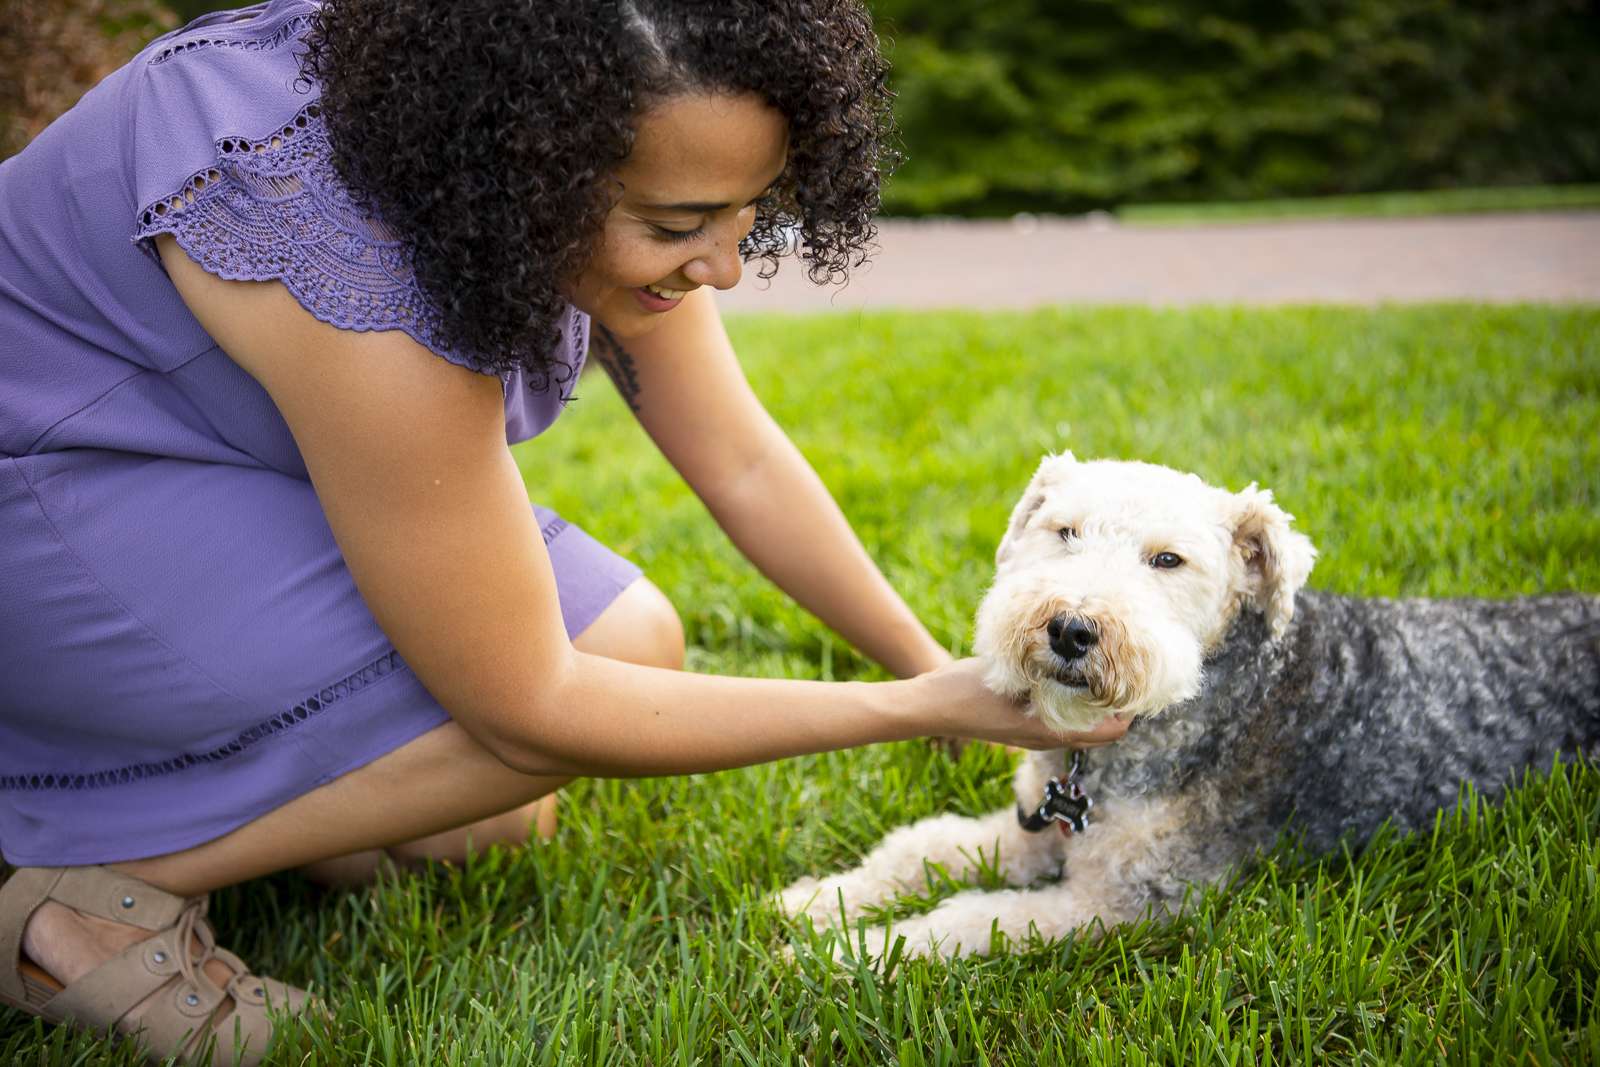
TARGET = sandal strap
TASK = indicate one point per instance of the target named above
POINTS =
(163, 974)
(178, 1019)
(20, 896)
(179, 1005)
(100, 999)
(95, 891)
(242, 1036)
(248, 1028)
(181, 1019)
(105, 894)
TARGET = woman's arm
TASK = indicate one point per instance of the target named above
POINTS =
(407, 455)
(685, 385)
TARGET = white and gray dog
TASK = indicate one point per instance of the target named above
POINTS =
(1131, 588)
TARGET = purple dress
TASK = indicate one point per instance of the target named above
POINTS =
(181, 646)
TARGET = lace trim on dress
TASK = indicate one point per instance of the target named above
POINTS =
(384, 666)
(274, 209)
(291, 28)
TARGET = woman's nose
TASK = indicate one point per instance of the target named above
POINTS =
(720, 266)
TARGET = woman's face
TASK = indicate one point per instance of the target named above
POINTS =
(689, 190)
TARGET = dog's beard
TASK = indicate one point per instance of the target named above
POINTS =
(1076, 695)
(1128, 672)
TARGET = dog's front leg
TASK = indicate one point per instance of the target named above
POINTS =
(1136, 860)
(964, 925)
(955, 844)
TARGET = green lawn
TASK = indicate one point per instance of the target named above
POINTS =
(1375, 205)
(1432, 451)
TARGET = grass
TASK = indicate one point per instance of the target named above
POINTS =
(1430, 451)
(1372, 205)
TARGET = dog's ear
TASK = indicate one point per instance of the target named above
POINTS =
(1276, 559)
(1049, 472)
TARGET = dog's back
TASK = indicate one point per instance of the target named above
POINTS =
(1368, 710)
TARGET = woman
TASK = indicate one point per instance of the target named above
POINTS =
(276, 296)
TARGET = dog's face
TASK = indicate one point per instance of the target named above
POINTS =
(1115, 579)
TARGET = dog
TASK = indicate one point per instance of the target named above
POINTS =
(1257, 705)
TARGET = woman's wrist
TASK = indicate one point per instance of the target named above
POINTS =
(914, 653)
(918, 706)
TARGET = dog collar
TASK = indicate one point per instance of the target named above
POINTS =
(1065, 804)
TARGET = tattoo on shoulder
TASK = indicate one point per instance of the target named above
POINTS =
(619, 364)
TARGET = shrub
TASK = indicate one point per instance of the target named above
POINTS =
(52, 53)
(1064, 105)
(1068, 104)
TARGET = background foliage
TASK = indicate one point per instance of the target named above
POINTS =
(1042, 105)
(53, 51)
(1063, 105)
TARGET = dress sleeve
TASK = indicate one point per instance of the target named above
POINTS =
(269, 206)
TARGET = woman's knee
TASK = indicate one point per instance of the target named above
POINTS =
(639, 626)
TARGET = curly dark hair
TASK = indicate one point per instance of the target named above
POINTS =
(483, 132)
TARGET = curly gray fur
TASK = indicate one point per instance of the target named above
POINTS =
(1366, 711)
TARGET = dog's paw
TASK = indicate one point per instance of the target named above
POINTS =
(922, 942)
(803, 897)
(830, 901)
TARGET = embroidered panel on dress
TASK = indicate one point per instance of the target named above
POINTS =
(387, 664)
(291, 28)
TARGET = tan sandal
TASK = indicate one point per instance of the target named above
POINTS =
(187, 1014)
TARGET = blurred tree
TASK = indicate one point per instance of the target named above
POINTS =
(189, 10)
(1062, 105)
(1011, 105)
(52, 52)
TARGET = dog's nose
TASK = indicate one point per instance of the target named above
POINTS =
(1071, 637)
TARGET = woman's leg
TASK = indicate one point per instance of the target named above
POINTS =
(417, 797)
(640, 626)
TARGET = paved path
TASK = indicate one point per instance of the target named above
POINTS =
(1482, 258)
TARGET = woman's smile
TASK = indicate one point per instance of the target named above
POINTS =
(658, 298)
(700, 163)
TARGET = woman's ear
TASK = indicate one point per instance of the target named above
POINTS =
(1051, 470)
(1276, 560)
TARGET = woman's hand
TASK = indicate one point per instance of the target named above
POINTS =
(962, 706)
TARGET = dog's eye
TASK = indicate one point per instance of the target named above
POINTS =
(1166, 561)
(1068, 533)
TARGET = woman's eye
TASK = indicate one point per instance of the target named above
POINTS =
(1166, 560)
(1068, 533)
(676, 236)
